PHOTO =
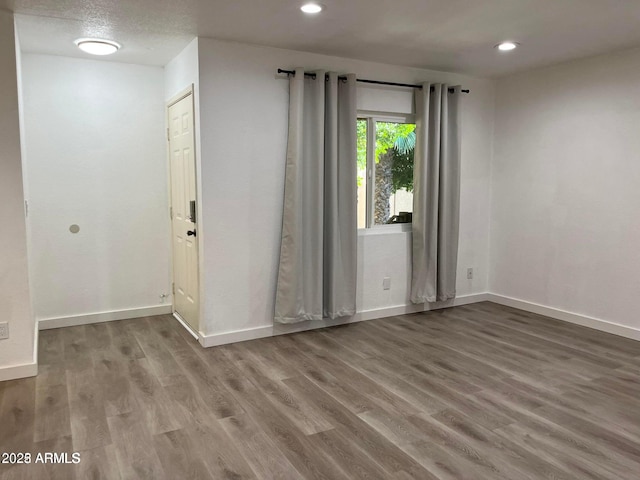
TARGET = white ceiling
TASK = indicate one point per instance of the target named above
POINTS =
(451, 35)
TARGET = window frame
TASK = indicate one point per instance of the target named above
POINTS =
(372, 117)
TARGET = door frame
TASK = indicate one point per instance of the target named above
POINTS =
(190, 90)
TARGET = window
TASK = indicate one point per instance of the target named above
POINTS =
(385, 169)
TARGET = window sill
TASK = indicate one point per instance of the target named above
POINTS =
(386, 229)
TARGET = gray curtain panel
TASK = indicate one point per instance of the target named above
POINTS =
(317, 271)
(436, 193)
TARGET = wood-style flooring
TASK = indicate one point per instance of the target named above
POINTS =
(474, 392)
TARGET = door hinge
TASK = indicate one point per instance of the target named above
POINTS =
(173, 288)
(168, 135)
(171, 213)
(26, 208)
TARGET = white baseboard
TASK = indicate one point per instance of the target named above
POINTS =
(585, 321)
(72, 321)
(224, 338)
(235, 336)
(186, 326)
(281, 329)
(13, 372)
(423, 307)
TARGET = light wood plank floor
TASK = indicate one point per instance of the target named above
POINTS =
(474, 392)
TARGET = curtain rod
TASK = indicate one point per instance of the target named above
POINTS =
(362, 80)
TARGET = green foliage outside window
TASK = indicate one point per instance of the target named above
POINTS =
(362, 144)
(397, 139)
(402, 170)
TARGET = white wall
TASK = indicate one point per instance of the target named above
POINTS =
(17, 355)
(182, 71)
(96, 157)
(244, 108)
(565, 229)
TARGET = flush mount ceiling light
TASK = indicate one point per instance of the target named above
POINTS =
(311, 8)
(97, 46)
(506, 46)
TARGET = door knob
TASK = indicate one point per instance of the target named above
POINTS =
(191, 233)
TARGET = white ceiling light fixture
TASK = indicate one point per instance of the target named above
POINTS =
(507, 46)
(311, 8)
(97, 46)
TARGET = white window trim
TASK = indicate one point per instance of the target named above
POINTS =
(372, 117)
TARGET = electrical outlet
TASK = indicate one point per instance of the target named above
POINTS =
(4, 330)
(386, 283)
(469, 273)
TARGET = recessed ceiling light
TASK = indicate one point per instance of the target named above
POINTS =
(311, 8)
(96, 46)
(506, 46)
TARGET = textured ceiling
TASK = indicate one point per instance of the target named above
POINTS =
(452, 35)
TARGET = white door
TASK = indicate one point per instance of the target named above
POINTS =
(183, 212)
